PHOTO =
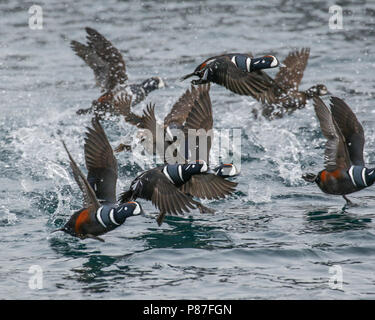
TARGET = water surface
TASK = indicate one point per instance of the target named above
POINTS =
(275, 238)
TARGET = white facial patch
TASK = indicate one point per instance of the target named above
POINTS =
(233, 171)
(161, 83)
(248, 63)
(204, 167)
(275, 62)
(137, 209)
(234, 60)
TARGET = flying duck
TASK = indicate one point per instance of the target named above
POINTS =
(236, 72)
(110, 72)
(192, 114)
(171, 188)
(283, 95)
(100, 213)
(345, 170)
(193, 111)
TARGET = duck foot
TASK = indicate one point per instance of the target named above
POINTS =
(349, 203)
(160, 218)
(202, 208)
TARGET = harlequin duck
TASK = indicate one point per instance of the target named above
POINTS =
(226, 170)
(100, 213)
(236, 72)
(171, 188)
(192, 111)
(283, 95)
(110, 72)
(345, 170)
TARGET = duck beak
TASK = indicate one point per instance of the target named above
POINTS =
(309, 177)
(282, 65)
(187, 76)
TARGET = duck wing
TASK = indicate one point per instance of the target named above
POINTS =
(153, 185)
(101, 163)
(351, 129)
(200, 119)
(238, 81)
(89, 197)
(336, 153)
(146, 121)
(181, 109)
(103, 58)
(209, 186)
(290, 76)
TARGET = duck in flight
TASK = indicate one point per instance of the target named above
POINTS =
(172, 186)
(283, 95)
(345, 171)
(109, 69)
(236, 72)
(100, 213)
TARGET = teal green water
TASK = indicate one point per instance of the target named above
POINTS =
(275, 238)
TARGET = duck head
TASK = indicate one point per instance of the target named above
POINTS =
(265, 62)
(318, 90)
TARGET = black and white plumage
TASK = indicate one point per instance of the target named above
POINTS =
(100, 213)
(171, 188)
(109, 69)
(226, 170)
(236, 72)
(345, 170)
